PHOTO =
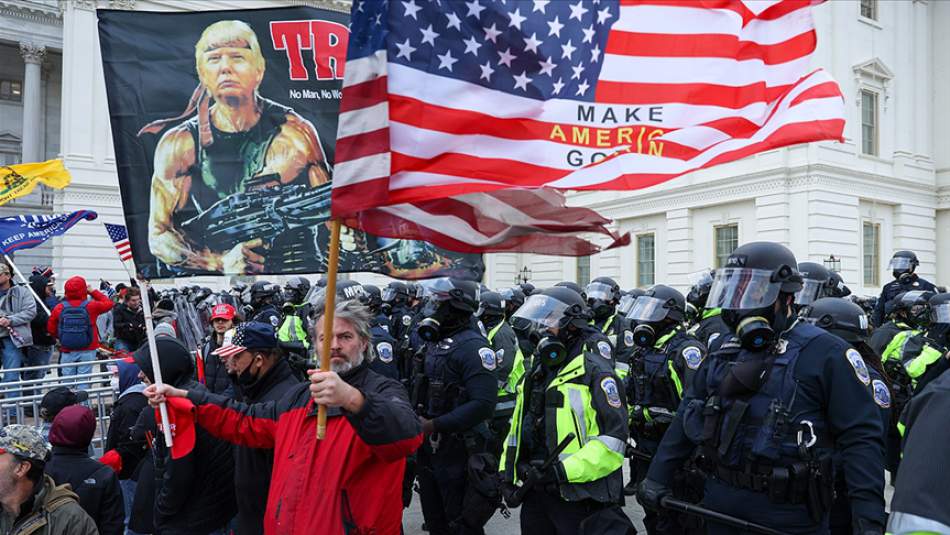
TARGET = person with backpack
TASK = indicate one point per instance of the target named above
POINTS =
(73, 322)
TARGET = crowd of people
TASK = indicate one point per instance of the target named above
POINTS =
(765, 398)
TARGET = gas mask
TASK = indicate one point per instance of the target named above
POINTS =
(601, 309)
(551, 350)
(439, 318)
(386, 308)
(756, 328)
(905, 277)
(644, 335)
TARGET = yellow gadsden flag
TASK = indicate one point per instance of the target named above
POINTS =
(20, 179)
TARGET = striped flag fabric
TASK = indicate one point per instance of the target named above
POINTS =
(120, 239)
(463, 122)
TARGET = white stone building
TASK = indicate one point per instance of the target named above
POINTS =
(886, 188)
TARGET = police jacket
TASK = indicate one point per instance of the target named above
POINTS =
(597, 342)
(96, 484)
(624, 347)
(461, 389)
(921, 494)
(918, 356)
(657, 378)
(252, 466)
(503, 340)
(890, 291)
(711, 328)
(293, 327)
(815, 378)
(582, 398)
(351, 481)
(268, 314)
(386, 362)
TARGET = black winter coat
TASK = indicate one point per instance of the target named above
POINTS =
(128, 325)
(252, 466)
(96, 485)
(217, 380)
(125, 413)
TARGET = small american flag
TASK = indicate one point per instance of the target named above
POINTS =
(120, 238)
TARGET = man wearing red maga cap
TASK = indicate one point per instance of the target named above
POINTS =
(214, 368)
(352, 480)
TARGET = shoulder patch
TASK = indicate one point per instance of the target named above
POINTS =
(882, 396)
(604, 349)
(406, 320)
(628, 338)
(693, 356)
(489, 361)
(860, 368)
(609, 386)
(385, 352)
(275, 321)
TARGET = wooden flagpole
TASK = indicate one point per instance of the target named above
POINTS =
(153, 351)
(329, 308)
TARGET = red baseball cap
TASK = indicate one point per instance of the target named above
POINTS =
(223, 311)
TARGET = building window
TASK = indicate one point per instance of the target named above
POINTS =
(872, 254)
(869, 122)
(727, 239)
(646, 260)
(11, 90)
(869, 9)
(583, 270)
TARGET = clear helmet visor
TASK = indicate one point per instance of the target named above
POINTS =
(439, 290)
(599, 290)
(940, 313)
(507, 294)
(742, 289)
(542, 310)
(388, 294)
(809, 293)
(700, 278)
(626, 303)
(912, 297)
(648, 309)
(900, 263)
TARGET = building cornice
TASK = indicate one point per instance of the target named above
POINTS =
(32, 11)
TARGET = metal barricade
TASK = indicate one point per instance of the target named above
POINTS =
(25, 407)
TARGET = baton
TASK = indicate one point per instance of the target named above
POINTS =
(516, 497)
(715, 516)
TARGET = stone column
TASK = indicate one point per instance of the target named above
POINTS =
(33, 56)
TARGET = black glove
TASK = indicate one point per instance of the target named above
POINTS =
(650, 493)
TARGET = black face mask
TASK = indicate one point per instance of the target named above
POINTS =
(247, 379)
(905, 277)
(644, 335)
(386, 308)
(756, 329)
(602, 309)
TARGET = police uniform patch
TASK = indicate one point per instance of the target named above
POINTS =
(274, 321)
(609, 386)
(385, 351)
(488, 358)
(628, 338)
(860, 368)
(693, 357)
(406, 320)
(882, 396)
(604, 349)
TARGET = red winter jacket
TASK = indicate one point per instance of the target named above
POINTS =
(76, 293)
(350, 482)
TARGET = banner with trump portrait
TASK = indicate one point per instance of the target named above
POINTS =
(224, 125)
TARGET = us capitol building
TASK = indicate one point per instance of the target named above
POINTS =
(847, 205)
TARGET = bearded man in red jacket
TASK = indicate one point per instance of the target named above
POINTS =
(350, 482)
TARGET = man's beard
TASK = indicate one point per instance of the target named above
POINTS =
(342, 367)
(7, 487)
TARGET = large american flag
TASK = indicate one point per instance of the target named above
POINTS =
(452, 108)
(120, 239)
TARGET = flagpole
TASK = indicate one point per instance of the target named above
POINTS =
(329, 309)
(26, 282)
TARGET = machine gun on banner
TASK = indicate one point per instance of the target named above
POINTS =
(264, 213)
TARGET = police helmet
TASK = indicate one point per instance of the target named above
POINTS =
(940, 309)
(557, 307)
(603, 289)
(490, 305)
(513, 297)
(903, 262)
(372, 297)
(753, 277)
(840, 317)
(261, 290)
(573, 286)
(628, 299)
(815, 279)
(527, 288)
(700, 283)
(462, 295)
(348, 290)
(396, 293)
(297, 288)
(915, 305)
(836, 286)
(658, 303)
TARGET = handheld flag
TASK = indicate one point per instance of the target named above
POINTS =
(120, 239)
(453, 112)
(28, 231)
(20, 179)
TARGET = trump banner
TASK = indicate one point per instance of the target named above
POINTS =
(28, 231)
(224, 124)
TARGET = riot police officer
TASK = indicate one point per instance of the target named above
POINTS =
(263, 297)
(457, 395)
(916, 354)
(625, 345)
(570, 395)
(847, 321)
(665, 361)
(514, 298)
(767, 410)
(710, 329)
(899, 318)
(815, 279)
(396, 301)
(491, 312)
(836, 286)
(295, 325)
(603, 296)
(373, 300)
(902, 266)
